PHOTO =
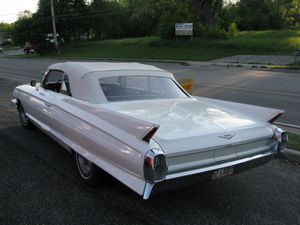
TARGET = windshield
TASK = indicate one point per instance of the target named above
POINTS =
(126, 88)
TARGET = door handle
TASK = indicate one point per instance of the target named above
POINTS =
(48, 105)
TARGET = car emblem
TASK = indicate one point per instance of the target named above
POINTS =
(227, 136)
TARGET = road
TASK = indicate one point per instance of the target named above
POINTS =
(264, 88)
(39, 183)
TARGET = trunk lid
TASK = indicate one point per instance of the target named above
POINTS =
(192, 131)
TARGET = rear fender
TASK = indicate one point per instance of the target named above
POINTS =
(130, 125)
(259, 113)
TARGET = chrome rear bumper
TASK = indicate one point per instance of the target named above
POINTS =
(218, 166)
(186, 178)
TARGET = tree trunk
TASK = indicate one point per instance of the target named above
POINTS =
(208, 10)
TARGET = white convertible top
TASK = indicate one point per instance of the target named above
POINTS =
(79, 69)
(84, 76)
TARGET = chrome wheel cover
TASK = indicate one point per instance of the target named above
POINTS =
(84, 166)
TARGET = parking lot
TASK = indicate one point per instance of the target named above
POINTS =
(39, 182)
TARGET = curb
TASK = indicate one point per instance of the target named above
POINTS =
(291, 155)
(257, 66)
(180, 62)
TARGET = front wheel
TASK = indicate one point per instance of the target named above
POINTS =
(25, 122)
(88, 171)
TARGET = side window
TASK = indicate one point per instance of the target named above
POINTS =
(53, 80)
(65, 86)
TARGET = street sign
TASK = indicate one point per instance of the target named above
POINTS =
(50, 37)
(184, 29)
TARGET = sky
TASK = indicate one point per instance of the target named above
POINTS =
(9, 9)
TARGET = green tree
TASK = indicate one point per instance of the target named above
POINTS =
(23, 29)
(253, 15)
(143, 16)
(6, 30)
(208, 10)
(293, 14)
(228, 15)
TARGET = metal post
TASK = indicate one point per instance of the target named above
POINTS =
(53, 25)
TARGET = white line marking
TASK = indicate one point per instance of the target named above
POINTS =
(16, 76)
(251, 90)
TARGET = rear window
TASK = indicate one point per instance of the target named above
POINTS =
(126, 88)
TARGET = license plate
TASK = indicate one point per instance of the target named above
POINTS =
(223, 172)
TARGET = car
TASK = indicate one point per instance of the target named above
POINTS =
(29, 48)
(136, 123)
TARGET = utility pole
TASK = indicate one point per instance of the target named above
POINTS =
(54, 27)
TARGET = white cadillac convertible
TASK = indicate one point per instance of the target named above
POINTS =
(138, 124)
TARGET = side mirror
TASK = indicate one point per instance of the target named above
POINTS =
(32, 83)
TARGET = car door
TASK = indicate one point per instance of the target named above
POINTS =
(59, 115)
(45, 97)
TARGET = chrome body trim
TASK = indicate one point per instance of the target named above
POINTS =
(220, 147)
(147, 190)
(153, 172)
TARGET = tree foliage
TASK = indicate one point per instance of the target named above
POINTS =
(103, 19)
(262, 14)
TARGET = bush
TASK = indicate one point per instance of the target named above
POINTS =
(166, 28)
(232, 30)
(210, 32)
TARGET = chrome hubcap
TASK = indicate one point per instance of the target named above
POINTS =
(85, 166)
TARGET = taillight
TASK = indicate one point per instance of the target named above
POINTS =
(282, 138)
(155, 166)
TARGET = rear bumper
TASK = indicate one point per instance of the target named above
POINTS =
(183, 179)
(248, 160)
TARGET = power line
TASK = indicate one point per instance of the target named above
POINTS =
(9, 14)
(95, 12)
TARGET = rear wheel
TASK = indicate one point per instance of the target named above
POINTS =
(88, 171)
(25, 122)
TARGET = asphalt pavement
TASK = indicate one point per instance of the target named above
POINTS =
(39, 183)
(11, 52)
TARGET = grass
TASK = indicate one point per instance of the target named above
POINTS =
(294, 141)
(286, 67)
(292, 66)
(251, 42)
